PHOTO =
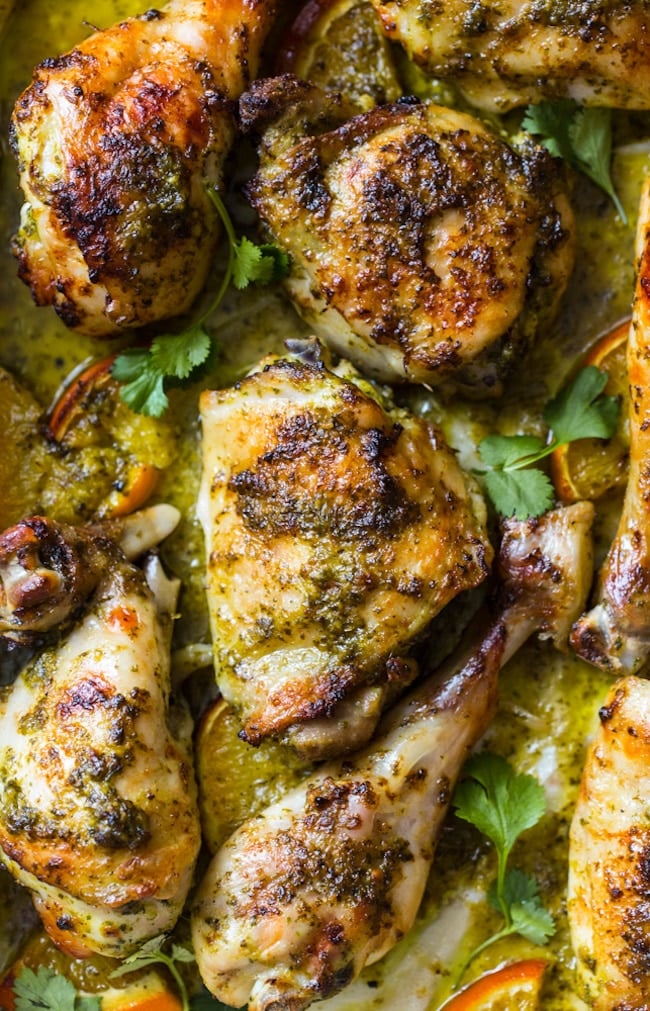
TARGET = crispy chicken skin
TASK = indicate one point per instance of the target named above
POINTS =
(329, 878)
(511, 53)
(335, 530)
(423, 247)
(609, 863)
(118, 142)
(615, 633)
(98, 815)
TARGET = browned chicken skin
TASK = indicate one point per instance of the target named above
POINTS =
(118, 142)
(98, 814)
(609, 867)
(329, 878)
(336, 529)
(423, 247)
(509, 53)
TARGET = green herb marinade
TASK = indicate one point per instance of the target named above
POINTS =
(548, 704)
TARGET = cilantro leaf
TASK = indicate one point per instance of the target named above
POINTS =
(175, 356)
(500, 802)
(204, 1001)
(581, 136)
(151, 953)
(503, 804)
(532, 920)
(520, 493)
(48, 990)
(581, 410)
(506, 450)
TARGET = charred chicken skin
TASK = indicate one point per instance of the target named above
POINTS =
(329, 878)
(336, 528)
(423, 247)
(118, 142)
(98, 815)
(508, 54)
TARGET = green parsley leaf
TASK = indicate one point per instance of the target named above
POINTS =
(151, 953)
(204, 1001)
(503, 804)
(520, 493)
(581, 136)
(143, 373)
(48, 990)
(581, 410)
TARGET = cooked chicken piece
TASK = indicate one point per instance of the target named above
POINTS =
(615, 633)
(118, 143)
(98, 814)
(609, 874)
(49, 569)
(336, 528)
(326, 881)
(507, 54)
(423, 247)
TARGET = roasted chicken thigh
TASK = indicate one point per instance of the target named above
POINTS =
(423, 247)
(510, 53)
(329, 878)
(118, 143)
(336, 528)
(98, 815)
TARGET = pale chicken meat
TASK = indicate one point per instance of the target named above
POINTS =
(510, 53)
(336, 528)
(118, 143)
(609, 871)
(330, 877)
(98, 813)
(423, 247)
(615, 633)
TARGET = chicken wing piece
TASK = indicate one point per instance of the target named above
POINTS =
(328, 879)
(609, 872)
(98, 815)
(507, 54)
(615, 633)
(423, 247)
(118, 142)
(336, 528)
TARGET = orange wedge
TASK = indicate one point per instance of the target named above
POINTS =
(513, 987)
(588, 468)
(339, 45)
(119, 454)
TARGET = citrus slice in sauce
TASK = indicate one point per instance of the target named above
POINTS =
(513, 987)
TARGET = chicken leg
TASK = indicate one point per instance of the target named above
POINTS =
(118, 142)
(329, 878)
(98, 815)
(615, 633)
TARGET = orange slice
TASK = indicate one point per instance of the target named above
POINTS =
(588, 468)
(234, 779)
(117, 455)
(339, 45)
(513, 987)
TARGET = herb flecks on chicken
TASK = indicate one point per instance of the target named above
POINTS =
(423, 247)
(330, 877)
(336, 529)
(508, 54)
(98, 813)
(118, 142)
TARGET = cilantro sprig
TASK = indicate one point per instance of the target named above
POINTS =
(581, 136)
(579, 411)
(48, 991)
(144, 371)
(502, 804)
